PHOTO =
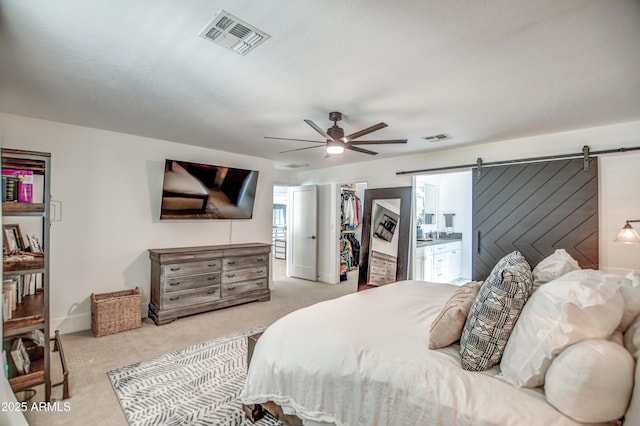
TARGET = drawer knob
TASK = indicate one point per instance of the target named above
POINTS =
(259, 284)
(211, 265)
(211, 292)
(260, 271)
(260, 260)
(174, 298)
(231, 275)
(174, 269)
(211, 278)
(231, 262)
(231, 288)
(178, 283)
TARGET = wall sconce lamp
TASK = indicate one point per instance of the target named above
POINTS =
(627, 234)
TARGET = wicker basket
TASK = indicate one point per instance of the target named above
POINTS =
(115, 312)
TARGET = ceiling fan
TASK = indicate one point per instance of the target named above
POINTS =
(335, 140)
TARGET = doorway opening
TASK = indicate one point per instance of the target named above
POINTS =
(351, 209)
(443, 218)
(279, 230)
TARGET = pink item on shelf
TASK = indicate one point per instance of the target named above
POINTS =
(25, 184)
(25, 187)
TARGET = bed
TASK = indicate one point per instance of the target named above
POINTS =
(364, 358)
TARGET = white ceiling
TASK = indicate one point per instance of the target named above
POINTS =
(477, 70)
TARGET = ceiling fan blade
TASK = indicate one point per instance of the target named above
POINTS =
(362, 150)
(365, 131)
(301, 149)
(380, 142)
(299, 140)
(319, 130)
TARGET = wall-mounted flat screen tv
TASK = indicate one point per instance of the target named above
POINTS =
(203, 191)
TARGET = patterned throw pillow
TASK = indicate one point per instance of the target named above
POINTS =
(495, 312)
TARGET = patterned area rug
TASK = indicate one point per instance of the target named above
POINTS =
(198, 385)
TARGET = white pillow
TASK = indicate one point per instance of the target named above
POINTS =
(631, 296)
(632, 343)
(591, 381)
(580, 305)
(552, 267)
(632, 338)
(632, 416)
(634, 277)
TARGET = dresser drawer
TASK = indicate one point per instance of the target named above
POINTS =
(233, 263)
(378, 270)
(377, 262)
(244, 275)
(391, 271)
(191, 268)
(191, 281)
(376, 279)
(243, 287)
(191, 297)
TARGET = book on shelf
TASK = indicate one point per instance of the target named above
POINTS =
(10, 288)
(33, 341)
(10, 188)
(7, 314)
(20, 356)
(39, 284)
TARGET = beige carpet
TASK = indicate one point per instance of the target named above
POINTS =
(93, 400)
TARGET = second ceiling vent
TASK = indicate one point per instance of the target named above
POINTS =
(233, 33)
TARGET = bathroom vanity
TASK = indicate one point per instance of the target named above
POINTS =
(439, 260)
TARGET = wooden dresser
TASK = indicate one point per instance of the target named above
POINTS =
(382, 269)
(190, 280)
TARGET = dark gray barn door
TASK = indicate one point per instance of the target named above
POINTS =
(535, 208)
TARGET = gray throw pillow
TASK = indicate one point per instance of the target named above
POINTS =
(494, 313)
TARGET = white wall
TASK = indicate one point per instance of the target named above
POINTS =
(110, 188)
(619, 200)
(328, 234)
(618, 174)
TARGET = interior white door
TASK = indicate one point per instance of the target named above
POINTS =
(302, 233)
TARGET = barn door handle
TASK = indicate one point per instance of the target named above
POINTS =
(313, 237)
(478, 249)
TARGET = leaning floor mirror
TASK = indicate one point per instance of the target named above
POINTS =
(386, 230)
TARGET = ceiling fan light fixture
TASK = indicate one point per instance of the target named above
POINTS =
(334, 148)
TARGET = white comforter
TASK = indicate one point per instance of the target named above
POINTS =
(363, 359)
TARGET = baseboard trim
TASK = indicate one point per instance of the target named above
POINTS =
(327, 278)
(71, 323)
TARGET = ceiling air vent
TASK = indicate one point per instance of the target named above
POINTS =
(232, 33)
(437, 138)
(296, 165)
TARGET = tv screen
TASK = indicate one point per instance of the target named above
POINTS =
(203, 191)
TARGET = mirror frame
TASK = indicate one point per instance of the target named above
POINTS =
(404, 231)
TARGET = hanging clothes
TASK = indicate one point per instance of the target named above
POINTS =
(350, 220)
(350, 207)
